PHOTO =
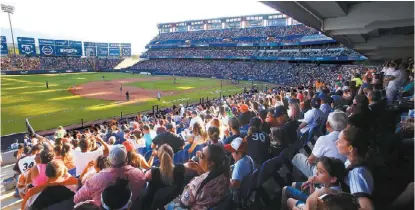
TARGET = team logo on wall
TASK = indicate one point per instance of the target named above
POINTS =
(47, 50)
(27, 48)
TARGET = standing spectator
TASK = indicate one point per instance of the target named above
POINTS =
(195, 118)
(119, 169)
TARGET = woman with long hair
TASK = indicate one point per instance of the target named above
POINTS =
(354, 143)
(63, 152)
(36, 175)
(199, 133)
(135, 159)
(210, 187)
(163, 176)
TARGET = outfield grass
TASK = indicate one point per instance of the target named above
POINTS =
(27, 97)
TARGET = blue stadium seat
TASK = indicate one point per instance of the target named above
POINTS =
(147, 155)
(142, 150)
(180, 157)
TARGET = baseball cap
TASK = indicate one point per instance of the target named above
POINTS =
(237, 145)
(244, 108)
(315, 102)
(117, 155)
(279, 111)
(128, 145)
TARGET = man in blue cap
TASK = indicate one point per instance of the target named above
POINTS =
(313, 117)
(280, 120)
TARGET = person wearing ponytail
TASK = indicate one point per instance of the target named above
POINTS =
(354, 143)
(208, 189)
(214, 136)
(63, 152)
(167, 174)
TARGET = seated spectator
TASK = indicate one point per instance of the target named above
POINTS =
(60, 186)
(214, 137)
(324, 146)
(353, 143)
(167, 174)
(93, 188)
(199, 134)
(208, 189)
(36, 175)
(137, 160)
(63, 152)
(244, 165)
(148, 137)
(313, 117)
(258, 142)
(195, 118)
(325, 106)
(331, 200)
(169, 137)
(233, 130)
(83, 156)
(246, 115)
(294, 110)
(330, 174)
(117, 196)
(94, 167)
(288, 126)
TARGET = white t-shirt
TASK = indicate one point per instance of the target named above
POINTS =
(81, 159)
(312, 117)
(326, 146)
(194, 120)
(394, 84)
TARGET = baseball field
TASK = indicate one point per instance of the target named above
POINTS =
(71, 98)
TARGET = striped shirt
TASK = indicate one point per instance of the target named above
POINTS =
(360, 181)
(96, 185)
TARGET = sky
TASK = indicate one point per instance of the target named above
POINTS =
(120, 21)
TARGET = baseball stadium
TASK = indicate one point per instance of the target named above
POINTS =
(308, 107)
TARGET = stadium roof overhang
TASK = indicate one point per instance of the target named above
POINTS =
(378, 30)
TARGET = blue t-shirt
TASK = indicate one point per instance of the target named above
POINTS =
(148, 140)
(242, 168)
(230, 139)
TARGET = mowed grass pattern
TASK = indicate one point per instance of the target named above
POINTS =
(27, 97)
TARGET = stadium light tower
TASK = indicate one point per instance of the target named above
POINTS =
(10, 10)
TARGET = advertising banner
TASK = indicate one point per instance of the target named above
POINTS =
(68, 51)
(102, 51)
(114, 52)
(4, 49)
(26, 45)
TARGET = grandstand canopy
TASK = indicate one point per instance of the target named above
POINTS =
(378, 30)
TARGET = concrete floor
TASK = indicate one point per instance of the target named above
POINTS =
(7, 200)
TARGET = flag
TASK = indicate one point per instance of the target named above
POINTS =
(30, 130)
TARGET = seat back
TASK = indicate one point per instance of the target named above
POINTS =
(180, 157)
(248, 184)
(165, 195)
(269, 167)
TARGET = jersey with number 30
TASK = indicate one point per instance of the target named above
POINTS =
(258, 146)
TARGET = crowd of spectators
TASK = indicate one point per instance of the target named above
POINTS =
(57, 63)
(281, 73)
(327, 146)
(232, 51)
(259, 32)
